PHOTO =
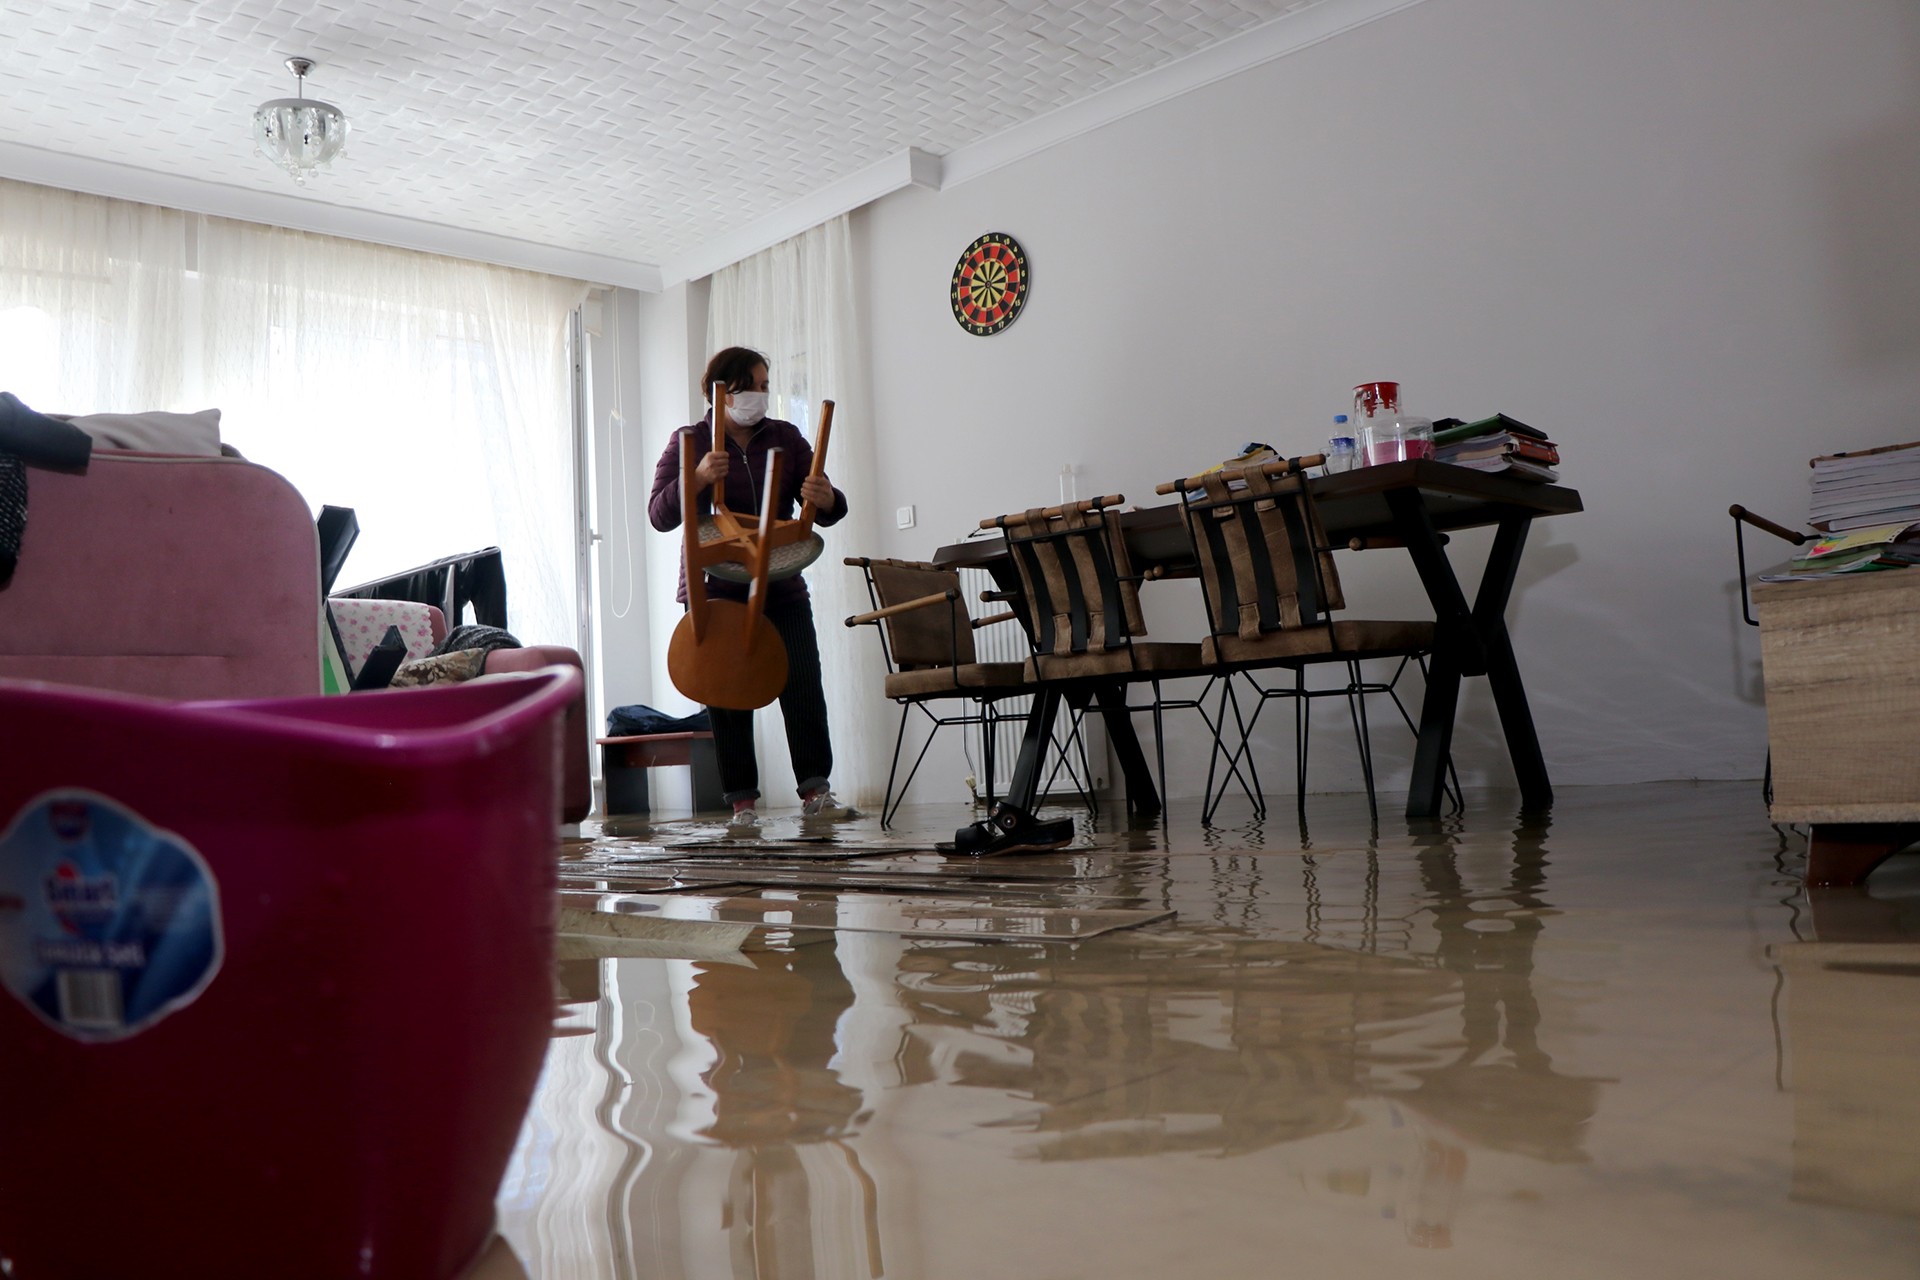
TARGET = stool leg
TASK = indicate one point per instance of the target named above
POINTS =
(626, 787)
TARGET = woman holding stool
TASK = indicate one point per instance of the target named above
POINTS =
(733, 471)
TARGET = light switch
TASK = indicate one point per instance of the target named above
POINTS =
(903, 518)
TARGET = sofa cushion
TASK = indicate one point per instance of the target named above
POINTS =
(361, 623)
(188, 434)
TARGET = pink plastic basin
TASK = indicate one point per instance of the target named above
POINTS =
(340, 1094)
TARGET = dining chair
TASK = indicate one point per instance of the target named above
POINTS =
(926, 640)
(1272, 593)
(1080, 600)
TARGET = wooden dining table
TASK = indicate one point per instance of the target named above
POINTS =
(1412, 506)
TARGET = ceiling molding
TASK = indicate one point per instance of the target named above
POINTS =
(909, 168)
(1286, 34)
(302, 213)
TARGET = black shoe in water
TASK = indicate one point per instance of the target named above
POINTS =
(1012, 830)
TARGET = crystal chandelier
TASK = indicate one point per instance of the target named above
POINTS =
(299, 134)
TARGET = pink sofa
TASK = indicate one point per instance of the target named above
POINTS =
(190, 578)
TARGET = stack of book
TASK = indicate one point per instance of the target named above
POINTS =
(1867, 489)
(1888, 546)
(1501, 444)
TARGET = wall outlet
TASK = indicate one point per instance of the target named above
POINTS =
(903, 518)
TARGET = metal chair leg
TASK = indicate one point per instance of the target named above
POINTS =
(1086, 765)
(1063, 759)
(1357, 709)
(1302, 727)
(1208, 801)
(1160, 752)
(989, 730)
(900, 736)
(1250, 781)
(918, 760)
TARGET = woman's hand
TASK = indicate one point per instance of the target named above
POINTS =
(818, 491)
(712, 471)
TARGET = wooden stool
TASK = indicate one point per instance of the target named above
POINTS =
(624, 763)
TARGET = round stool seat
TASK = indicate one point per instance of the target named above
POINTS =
(783, 562)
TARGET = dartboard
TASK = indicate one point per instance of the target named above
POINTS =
(990, 284)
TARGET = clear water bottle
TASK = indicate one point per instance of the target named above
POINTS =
(1342, 452)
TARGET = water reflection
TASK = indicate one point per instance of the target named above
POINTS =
(1227, 1037)
(1346, 1050)
(772, 1025)
(697, 1120)
(1855, 1110)
(1516, 1102)
(749, 1113)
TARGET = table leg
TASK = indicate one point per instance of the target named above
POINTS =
(1469, 642)
(1456, 652)
(1024, 787)
(1503, 671)
(1427, 788)
(1143, 797)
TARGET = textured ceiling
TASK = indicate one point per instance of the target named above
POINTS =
(637, 130)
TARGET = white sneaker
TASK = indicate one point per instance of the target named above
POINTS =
(823, 804)
(743, 820)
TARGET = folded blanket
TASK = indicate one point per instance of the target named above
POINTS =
(473, 635)
(30, 439)
(639, 720)
(13, 513)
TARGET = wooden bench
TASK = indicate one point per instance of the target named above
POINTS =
(624, 763)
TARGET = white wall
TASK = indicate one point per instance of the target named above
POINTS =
(1681, 238)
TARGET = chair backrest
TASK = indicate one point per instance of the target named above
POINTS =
(936, 636)
(1264, 561)
(1081, 592)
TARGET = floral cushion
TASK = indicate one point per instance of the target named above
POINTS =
(361, 623)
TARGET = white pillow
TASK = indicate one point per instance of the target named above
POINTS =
(190, 433)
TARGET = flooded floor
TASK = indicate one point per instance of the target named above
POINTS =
(1620, 1040)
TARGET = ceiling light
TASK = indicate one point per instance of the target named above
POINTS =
(299, 134)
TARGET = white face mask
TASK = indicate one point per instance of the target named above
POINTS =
(747, 407)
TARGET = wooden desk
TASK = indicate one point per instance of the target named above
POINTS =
(1409, 504)
(1843, 694)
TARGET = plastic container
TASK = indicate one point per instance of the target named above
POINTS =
(1402, 438)
(1373, 404)
(345, 1040)
(1343, 452)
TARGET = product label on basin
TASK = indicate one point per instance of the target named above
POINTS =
(107, 923)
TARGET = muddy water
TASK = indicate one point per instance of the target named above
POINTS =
(1621, 1041)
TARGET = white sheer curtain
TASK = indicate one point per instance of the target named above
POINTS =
(429, 394)
(79, 276)
(795, 303)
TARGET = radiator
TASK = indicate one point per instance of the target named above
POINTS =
(1007, 642)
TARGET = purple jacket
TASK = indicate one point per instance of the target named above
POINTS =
(745, 480)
